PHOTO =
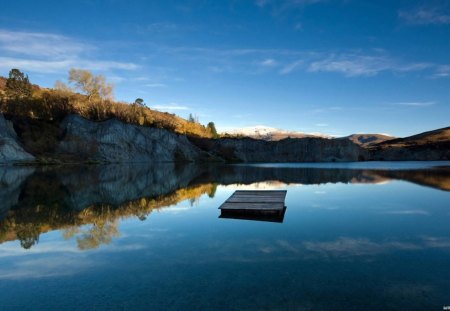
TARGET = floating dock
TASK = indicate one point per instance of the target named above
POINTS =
(264, 205)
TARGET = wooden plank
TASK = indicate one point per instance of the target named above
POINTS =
(266, 200)
(264, 205)
(250, 200)
(258, 196)
(258, 193)
(253, 206)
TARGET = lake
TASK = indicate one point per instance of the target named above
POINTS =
(355, 236)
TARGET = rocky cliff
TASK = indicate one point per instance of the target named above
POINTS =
(10, 148)
(76, 139)
(286, 150)
(115, 141)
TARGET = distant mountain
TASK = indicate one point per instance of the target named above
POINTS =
(431, 137)
(269, 133)
(366, 140)
(432, 145)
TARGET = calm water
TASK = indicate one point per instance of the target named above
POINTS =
(371, 236)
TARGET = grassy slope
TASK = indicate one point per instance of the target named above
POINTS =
(438, 136)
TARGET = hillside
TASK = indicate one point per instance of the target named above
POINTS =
(431, 145)
(51, 106)
(431, 137)
(366, 140)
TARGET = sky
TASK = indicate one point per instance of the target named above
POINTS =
(318, 66)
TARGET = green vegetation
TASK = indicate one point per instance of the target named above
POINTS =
(89, 96)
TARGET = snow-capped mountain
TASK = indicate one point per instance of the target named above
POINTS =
(270, 133)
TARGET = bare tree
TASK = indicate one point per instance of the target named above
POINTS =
(94, 86)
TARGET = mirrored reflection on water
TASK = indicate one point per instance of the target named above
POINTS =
(149, 237)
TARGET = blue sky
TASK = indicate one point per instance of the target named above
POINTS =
(329, 66)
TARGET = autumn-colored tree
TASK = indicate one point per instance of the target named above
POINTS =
(94, 86)
(62, 88)
(18, 84)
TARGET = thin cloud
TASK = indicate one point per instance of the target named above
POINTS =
(171, 107)
(269, 62)
(414, 67)
(50, 53)
(291, 67)
(279, 6)
(40, 44)
(352, 65)
(155, 85)
(425, 16)
(415, 104)
(442, 71)
(349, 63)
(50, 66)
(162, 27)
(322, 124)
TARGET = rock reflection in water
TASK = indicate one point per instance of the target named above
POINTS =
(87, 203)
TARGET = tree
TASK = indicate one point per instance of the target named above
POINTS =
(63, 88)
(95, 87)
(212, 129)
(139, 102)
(18, 84)
(193, 119)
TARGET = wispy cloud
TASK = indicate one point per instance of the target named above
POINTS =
(170, 107)
(162, 27)
(322, 124)
(269, 62)
(155, 85)
(442, 71)
(51, 66)
(415, 104)
(352, 65)
(291, 67)
(425, 16)
(251, 61)
(278, 6)
(40, 44)
(407, 212)
(49, 53)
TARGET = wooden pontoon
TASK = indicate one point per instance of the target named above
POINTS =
(264, 205)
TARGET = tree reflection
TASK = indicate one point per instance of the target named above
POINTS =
(28, 235)
(98, 233)
(89, 207)
(93, 226)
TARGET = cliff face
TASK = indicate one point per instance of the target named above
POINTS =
(10, 148)
(76, 139)
(115, 141)
(287, 150)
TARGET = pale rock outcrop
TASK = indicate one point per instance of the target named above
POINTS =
(114, 141)
(10, 148)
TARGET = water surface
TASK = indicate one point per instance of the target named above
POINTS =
(354, 237)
